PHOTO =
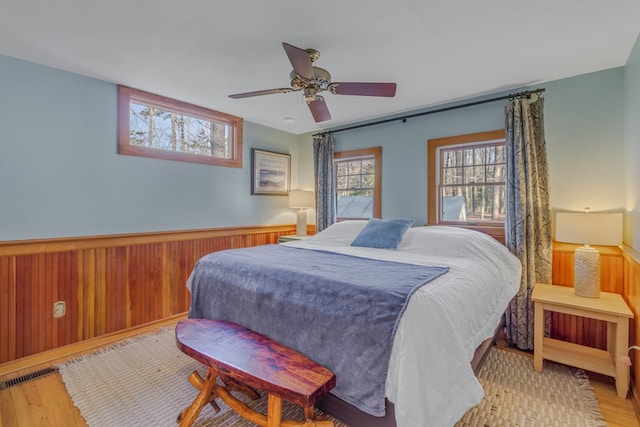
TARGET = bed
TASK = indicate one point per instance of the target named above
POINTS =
(426, 372)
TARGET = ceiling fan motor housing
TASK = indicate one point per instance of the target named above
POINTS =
(319, 83)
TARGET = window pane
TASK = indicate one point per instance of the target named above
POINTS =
(468, 174)
(162, 129)
(448, 158)
(490, 154)
(495, 173)
(158, 127)
(459, 158)
(354, 181)
(355, 167)
(468, 157)
(452, 176)
(478, 174)
(368, 181)
(501, 156)
(478, 156)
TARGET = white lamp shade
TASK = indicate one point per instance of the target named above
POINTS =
(589, 228)
(302, 199)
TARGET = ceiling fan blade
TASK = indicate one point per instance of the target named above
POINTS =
(300, 61)
(261, 92)
(363, 89)
(319, 109)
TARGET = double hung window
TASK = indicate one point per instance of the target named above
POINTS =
(467, 181)
(358, 180)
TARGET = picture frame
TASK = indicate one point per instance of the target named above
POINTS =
(270, 173)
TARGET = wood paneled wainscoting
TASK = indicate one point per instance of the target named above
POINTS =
(109, 283)
(619, 273)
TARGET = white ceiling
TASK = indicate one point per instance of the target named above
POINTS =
(200, 51)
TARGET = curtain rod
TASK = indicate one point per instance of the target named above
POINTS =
(525, 94)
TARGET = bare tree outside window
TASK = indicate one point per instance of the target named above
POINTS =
(474, 176)
(153, 126)
(466, 177)
(358, 178)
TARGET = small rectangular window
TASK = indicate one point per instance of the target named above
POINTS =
(158, 127)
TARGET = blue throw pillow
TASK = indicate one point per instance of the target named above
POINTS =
(382, 233)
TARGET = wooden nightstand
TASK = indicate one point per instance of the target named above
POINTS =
(610, 308)
(282, 239)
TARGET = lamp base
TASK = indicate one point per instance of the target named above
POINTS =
(301, 225)
(586, 281)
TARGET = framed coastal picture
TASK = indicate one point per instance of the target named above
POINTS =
(270, 173)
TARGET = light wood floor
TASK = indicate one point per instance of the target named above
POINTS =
(45, 402)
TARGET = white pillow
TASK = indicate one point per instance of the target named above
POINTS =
(342, 232)
(446, 241)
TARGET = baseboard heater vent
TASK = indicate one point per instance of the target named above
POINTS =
(28, 377)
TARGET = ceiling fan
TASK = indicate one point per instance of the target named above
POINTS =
(310, 80)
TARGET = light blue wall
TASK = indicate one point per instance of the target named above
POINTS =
(632, 147)
(584, 128)
(60, 174)
(404, 153)
(584, 133)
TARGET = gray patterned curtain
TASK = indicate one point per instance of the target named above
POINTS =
(323, 149)
(528, 218)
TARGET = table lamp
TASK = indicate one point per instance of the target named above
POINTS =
(588, 228)
(302, 200)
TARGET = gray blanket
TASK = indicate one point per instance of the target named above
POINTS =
(341, 311)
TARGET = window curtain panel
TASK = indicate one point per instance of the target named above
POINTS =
(528, 217)
(323, 149)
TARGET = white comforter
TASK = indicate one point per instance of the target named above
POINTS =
(430, 380)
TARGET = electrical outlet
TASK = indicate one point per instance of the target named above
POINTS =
(59, 308)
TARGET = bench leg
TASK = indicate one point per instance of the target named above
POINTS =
(209, 391)
(188, 416)
(274, 411)
(310, 419)
(231, 385)
(196, 380)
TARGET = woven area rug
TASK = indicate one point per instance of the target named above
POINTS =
(515, 395)
(143, 382)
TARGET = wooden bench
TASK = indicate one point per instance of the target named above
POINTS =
(245, 361)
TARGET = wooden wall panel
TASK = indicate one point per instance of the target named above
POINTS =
(8, 303)
(109, 283)
(631, 278)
